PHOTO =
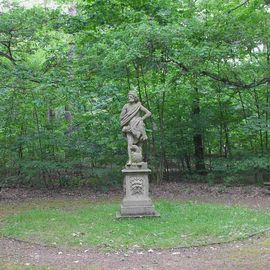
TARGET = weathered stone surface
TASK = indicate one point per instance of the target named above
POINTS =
(136, 202)
(133, 127)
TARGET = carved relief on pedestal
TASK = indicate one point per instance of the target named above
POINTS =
(136, 186)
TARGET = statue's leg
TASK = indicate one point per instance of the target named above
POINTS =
(140, 144)
(130, 143)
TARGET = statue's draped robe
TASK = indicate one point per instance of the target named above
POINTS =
(132, 123)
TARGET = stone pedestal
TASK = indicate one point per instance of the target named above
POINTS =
(136, 202)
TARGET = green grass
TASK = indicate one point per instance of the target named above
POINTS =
(83, 223)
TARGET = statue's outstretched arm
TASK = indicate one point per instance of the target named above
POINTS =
(147, 113)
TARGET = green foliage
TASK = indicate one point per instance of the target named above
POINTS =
(238, 171)
(200, 67)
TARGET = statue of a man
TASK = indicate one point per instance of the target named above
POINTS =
(133, 127)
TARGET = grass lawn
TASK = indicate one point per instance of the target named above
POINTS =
(93, 224)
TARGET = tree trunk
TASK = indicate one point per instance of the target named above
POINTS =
(198, 138)
(267, 102)
(257, 104)
(267, 116)
(245, 117)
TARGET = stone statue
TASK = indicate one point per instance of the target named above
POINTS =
(133, 127)
(136, 202)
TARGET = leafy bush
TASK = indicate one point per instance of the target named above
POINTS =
(244, 170)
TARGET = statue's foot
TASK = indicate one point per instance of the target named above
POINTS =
(129, 163)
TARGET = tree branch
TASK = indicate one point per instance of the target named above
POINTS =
(216, 77)
(9, 57)
(240, 5)
(7, 44)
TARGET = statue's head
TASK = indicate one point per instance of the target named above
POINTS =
(132, 96)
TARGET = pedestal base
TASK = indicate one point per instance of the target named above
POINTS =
(119, 215)
(136, 202)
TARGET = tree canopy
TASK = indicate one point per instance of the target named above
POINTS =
(201, 67)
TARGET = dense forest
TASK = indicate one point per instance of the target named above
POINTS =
(202, 67)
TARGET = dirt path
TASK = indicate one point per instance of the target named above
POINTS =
(253, 253)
